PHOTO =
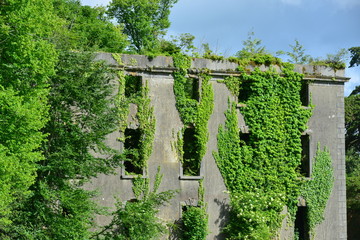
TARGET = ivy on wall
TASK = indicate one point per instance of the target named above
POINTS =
(131, 90)
(136, 219)
(195, 219)
(317, 191)
(261, 173)
(194, 101)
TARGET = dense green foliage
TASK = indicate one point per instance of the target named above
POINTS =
(194, 221)
(87, 28)
(297, 54)
(132, 91)
(143, 21)
(317, 191)
(352, 122)
(352, 142)
(355, 56)
(80, 118)
(26, 63)
(261, 174)
(195, 107)
(136, 219)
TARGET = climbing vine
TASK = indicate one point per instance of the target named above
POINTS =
(261, 173)
(317, 191)
(195, 105)
(195, 219)
(132, 91)
(136, 219)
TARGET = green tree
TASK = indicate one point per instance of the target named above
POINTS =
(144, 21)
(355, 56)
(251, 47)
(297, 55)
(27, 61)
(88, 28)
(352, 143)
(80, 117)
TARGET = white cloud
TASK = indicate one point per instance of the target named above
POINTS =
(292, 2)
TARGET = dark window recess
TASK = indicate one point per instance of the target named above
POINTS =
(132, 85)
(191, 163)
(184, 208)
(301, 224)
(305, 155)
(191, 88)
(244, 139)
(245, 92)
(304, 93)
(132, 145)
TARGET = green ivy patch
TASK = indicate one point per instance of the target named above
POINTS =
(195, 107)
(262, 173)
(317, 191)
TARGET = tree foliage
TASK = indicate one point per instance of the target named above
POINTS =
(352, 143)
(80, 118)
(352, 139)
(87, 28)
(251, 46)
(355, 56)
(297, 55)
(27, 61)
(144, 21)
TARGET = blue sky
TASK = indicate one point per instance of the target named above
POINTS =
(321, 26)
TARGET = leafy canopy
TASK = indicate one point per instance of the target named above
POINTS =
(27, 61)
(144, 21)
(87, 28)
(355, 56)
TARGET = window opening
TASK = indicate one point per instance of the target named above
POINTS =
(304, 93)
(190, 164)
(301, 229)
(244, 92)
(191, 88)
(305, 155)
(244, 139)
(132, 145)
(132, 85)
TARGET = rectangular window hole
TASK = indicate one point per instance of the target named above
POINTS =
(305, 155)
(132, 145)
(191, 88)
(191, 163)
(304, 93)
(301, 228)
(244, 139)
(132, 85)
(244, 92)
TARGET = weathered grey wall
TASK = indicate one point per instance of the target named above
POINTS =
(326, 127)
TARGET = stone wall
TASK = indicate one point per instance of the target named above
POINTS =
(326, 127)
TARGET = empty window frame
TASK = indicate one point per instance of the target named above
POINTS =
(301, 228)
(244, 92)
(305, 167)
(191, 163)
(131, 146)
(191, 88)
(304, 93)
(132, 85)
(244, 138)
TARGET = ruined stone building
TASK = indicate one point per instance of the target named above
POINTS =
(325, 90)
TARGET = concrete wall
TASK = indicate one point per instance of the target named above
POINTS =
(326, 127)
